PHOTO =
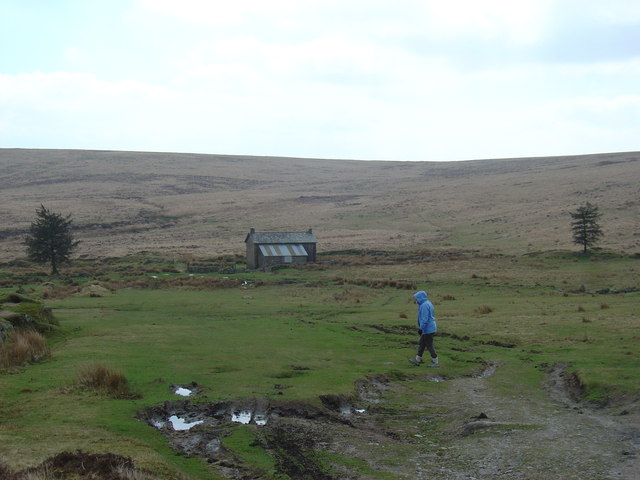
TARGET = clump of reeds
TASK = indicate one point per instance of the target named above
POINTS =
(105, 380)
(23, 347)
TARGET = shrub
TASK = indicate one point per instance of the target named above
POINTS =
(23, 347)
(105, 380)
(483, 310)
(448, 297)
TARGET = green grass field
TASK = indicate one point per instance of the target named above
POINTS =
(300, 333)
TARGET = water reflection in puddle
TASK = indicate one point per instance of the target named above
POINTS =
(180, 423)
(348, 410)
(183, 392)
(243, 417)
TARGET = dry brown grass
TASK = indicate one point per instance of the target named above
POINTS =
(373, 283)
(76, 465)
(23, 347)
(105, 380)
(204, 205)
(484, 310)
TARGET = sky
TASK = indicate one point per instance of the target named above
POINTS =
(415, 80)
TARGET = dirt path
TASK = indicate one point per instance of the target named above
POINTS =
(515, 436)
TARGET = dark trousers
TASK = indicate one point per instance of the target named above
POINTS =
(426, 342)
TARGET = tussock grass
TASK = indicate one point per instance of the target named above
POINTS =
(484, 310)
(23, 347)
(71, 465)
(105, 380)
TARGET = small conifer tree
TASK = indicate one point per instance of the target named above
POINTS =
(584, 226)
(50, 239)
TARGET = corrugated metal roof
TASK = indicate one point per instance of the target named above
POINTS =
(282, 237)
(282, 250)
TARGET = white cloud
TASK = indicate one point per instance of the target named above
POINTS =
(521, 22)
(221, 13)
(363, 79)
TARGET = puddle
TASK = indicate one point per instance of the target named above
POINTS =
(349, 410)
(341, 404)
(183, 392)
(186, 390)
(243, 417)
(180, 424)
(437, 379)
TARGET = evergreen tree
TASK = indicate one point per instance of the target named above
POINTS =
(50, 239)
(585, 228)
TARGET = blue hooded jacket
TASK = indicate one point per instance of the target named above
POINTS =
(426, 316)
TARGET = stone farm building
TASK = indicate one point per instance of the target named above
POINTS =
(266, 249)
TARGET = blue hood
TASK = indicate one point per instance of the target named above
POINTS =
(421, 297)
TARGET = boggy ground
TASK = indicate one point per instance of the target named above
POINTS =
(467, 429)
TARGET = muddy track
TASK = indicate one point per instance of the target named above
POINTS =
(469, 429)
(474, 427)
(524, 436)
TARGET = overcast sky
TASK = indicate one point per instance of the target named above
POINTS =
(360, 79)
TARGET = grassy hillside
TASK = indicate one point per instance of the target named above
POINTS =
(126, 202)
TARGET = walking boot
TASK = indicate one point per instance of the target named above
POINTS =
(416, 361)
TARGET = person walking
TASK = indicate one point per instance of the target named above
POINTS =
(426, 329)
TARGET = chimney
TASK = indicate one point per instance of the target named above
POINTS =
(310, 230)
(253, 230)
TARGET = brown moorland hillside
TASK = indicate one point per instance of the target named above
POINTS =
(127, 202)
